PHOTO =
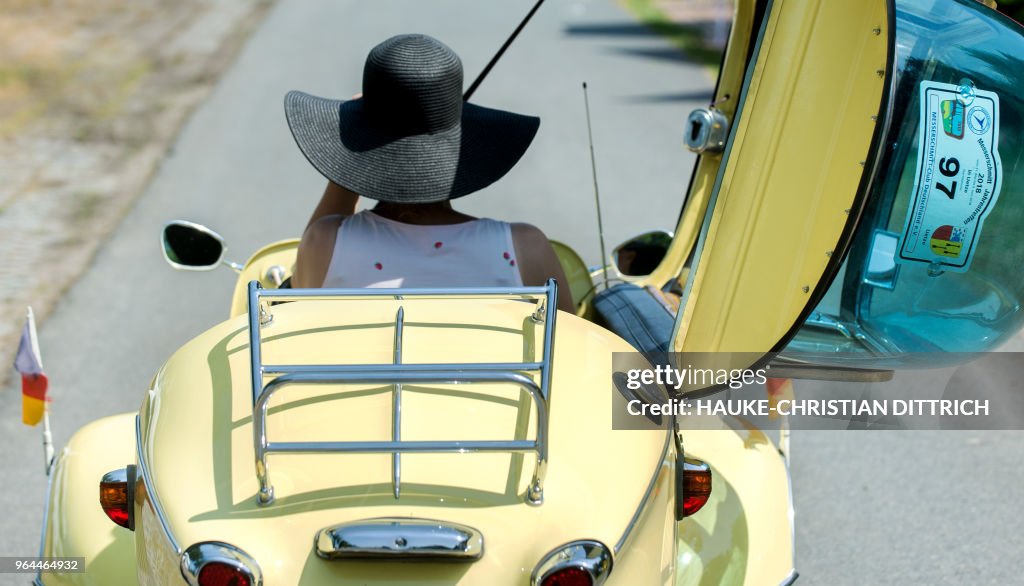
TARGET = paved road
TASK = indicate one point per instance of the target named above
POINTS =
(913, 507)
(872, 508)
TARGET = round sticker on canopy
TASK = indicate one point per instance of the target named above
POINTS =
(958, 176)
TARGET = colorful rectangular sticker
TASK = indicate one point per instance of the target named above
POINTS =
(958, 177)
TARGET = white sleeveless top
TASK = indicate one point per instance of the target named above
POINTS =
(374, 251)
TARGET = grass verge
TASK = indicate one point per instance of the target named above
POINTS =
(689, 38)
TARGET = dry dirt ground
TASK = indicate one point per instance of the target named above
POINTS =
(92, 92)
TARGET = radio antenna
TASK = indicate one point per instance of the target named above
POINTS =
(501, 51)
(597, 194)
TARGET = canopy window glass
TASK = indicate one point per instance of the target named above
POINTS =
(936, 261)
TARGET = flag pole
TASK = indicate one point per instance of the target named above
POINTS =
(47, 443)
(47, 436)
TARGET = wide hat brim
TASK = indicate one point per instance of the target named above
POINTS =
(341, 142)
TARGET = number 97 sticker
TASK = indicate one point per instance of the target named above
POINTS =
(958, 177)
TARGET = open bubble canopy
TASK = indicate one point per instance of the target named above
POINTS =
(936, 264)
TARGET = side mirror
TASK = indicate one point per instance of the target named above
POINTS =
(192, 247)
(641, 254)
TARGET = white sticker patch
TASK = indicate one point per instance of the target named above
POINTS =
(958, 177)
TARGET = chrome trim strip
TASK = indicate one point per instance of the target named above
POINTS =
(550, 309)
(396, 374)
(621, 543)
(425, 447)
(437, 292)
(400, 538)
(396, 411)
(200, 554)
(147, 479)
(790, 579)
(336, 368)
(119, 475)
(535, 494)
(255, 357)
(590, 556)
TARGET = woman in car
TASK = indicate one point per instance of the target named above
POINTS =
(411, 143)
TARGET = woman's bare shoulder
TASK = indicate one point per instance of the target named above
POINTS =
(323, 227)
(528, 234)
(538, 261)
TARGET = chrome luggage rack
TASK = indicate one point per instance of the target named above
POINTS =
(398, 374)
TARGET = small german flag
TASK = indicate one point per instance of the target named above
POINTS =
(33, 381)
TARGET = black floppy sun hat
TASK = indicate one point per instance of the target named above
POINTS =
(410, 138)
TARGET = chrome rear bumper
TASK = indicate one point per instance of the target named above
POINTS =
(395, 538)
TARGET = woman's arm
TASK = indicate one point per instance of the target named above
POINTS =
(336, 200)
(315, 251)
(538, 262)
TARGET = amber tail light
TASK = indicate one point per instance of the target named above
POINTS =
(117, 496)
(693, 486)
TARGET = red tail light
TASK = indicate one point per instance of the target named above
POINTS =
(221, 574)
(117, 492)
(579, 563)
(695, 487)
(215, 563)
(568, 577)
